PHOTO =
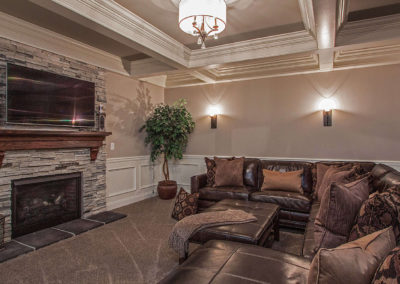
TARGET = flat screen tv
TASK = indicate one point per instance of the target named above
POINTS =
(39, 97)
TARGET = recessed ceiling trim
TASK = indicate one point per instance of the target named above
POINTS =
(369, 30)
(284, 44)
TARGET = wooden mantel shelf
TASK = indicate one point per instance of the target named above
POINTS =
(39, 139)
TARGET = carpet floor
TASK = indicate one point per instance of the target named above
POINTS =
(131, 250)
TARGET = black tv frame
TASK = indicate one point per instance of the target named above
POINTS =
(44, 124)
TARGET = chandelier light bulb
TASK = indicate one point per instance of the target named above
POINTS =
(199, 41)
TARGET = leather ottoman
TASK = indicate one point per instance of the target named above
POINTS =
(256, 233)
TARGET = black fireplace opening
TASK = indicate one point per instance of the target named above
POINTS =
(43, 202)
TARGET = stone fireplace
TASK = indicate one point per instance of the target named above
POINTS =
(32, 152)
(42, 202)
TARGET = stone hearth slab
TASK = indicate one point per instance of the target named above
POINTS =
(43, 238)
(13, 249)
(78, 226)
(107, 217)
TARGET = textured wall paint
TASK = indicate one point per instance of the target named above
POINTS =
(279, 117)
(129, 102)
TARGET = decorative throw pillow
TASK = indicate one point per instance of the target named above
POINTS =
(333, 174)
(185, 204)
(380, 211)
(211, 167)
(354, 262)
(319, 169)
(389, 272)
(229, 173)
(282, 181)
(339, 206)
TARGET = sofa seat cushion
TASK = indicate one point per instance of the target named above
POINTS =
(291, 201)
(230, 262)
(224, 192)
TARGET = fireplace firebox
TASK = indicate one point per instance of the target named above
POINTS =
(42, 202)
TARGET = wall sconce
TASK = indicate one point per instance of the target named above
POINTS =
(213, 112)
(327, 106)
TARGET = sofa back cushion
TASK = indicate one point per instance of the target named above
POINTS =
(333, 174)
(362, 167)
(282, 181)
(229, 173)
(288, 166)
(338, 209)
(354, 262)
(250, 172)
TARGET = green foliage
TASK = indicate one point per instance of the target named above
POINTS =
(168, 129)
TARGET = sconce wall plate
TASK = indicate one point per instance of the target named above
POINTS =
(327, 117)
(213, 121)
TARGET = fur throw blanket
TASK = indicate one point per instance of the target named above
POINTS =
(188, 226)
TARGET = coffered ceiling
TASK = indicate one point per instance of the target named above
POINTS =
(247, 19)
(263, 38)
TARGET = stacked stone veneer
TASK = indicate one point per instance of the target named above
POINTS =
(34, 163)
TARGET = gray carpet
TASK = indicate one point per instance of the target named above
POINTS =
(131, 250)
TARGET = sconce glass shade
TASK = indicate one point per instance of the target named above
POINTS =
(213, 110)
(194, 13)
(327, 104)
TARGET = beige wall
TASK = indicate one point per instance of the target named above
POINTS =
(279, 117)
(128, 103)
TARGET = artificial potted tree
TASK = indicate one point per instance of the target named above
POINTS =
(168, 129)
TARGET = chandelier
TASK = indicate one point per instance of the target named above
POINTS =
(202, 18)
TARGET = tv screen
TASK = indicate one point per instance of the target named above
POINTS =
(39, 97)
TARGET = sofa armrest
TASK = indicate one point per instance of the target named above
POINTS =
(198, 182)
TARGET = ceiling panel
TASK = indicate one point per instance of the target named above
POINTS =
(247, 19)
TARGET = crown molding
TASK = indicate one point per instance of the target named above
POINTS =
(370, 30)
(270, 46)
(24, 32)
(266, 67)
(367, 56)
(255, 69)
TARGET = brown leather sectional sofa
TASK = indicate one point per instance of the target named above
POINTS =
(295, 207)
(231, 262)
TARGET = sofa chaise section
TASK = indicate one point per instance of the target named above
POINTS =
(231, 262)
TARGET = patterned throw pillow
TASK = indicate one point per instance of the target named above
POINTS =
(185, 205)
(389, 272)
(211, 170)
(380, 211)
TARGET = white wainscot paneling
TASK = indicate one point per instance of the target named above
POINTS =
(133, 179)
(129, 180)
(184, 169)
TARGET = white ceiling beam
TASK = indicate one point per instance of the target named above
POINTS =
(307, 14)
(148, 67)
(114, 21)
(329, 16)
(203, 75)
